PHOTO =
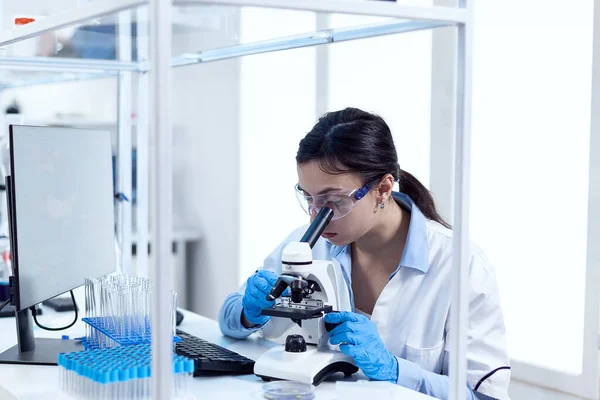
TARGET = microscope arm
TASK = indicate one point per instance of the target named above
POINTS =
(311, 236)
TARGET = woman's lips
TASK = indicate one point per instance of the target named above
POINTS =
(328, 235)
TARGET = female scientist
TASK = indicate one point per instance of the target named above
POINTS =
(395, 252)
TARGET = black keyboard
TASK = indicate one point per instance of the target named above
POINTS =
(209, 357)
(7, 311)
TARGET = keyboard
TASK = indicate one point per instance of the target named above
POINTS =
(209, 357)
(7, 311)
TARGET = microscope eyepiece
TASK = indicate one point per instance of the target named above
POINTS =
(317, 227)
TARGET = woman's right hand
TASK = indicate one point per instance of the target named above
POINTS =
(255, 300)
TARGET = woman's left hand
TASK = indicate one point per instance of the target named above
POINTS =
(358, 338)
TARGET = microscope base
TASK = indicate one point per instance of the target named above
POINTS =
(311, 367)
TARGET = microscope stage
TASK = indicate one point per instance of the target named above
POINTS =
(297, 313)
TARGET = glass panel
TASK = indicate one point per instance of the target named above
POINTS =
(60, 43)
(38, 9)
(276, 112)
(382, 81)
(530, 161)
(17, 79)
(202, 33)
(94, 39)
(220, 27)
(378, 81)
(63, 101)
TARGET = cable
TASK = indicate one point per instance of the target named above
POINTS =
(487, 376)
(56, 329)
(4, 304)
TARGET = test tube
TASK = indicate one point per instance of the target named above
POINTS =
(88, 311)
(113, 315)
(147, 290)
(135, 311)
(124, 295)
(142, 313)
(173, 312)
(121, 304)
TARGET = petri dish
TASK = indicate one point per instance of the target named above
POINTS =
(287, 390)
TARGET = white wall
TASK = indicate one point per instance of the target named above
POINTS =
(44, 102)
(389, 76)
(206, 104)
(530, 153)
(277, 110)
(530, 169)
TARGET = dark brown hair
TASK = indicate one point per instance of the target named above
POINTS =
(355, 141)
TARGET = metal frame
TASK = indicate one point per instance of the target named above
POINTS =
(461, 252)
(319, 37)
(64, 77)
(322, 69)
(106, 7)
(162, 194)
(161, 140)
(380, 9)
(160, 143)
(51, 64)
(143, 161)
(125, 89)
(443, 118)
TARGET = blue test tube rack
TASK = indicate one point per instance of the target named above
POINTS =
(105, 326)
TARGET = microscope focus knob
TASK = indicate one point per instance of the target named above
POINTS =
(295, 344)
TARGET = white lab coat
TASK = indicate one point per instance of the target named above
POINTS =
(412, 312)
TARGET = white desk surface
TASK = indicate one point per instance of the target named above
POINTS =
(41, 382)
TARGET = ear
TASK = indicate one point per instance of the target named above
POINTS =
(385, 188)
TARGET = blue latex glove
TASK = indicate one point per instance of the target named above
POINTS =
(255, 300)
(358, 338)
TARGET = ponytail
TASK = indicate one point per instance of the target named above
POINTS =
(422, 198)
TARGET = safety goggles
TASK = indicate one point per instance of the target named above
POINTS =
(341, 202)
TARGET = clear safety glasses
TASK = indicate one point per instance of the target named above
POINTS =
(340, 202)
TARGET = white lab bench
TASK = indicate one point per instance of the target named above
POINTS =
(37, 382)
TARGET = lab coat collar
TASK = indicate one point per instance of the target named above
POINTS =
(416, 249)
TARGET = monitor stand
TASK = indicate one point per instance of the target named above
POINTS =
(32, 351)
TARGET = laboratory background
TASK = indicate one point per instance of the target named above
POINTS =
(237, 122)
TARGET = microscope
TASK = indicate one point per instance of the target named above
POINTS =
(316, 288)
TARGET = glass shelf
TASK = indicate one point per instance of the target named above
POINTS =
(10, 79)
(304, 40)
(81, 37)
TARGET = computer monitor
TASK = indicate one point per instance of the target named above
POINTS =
(60, 202)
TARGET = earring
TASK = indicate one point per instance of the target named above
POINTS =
(382, 205)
